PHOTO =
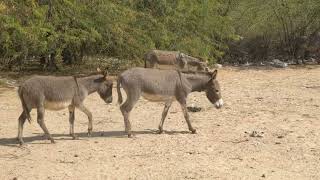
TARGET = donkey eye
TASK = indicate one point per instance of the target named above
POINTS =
(217, 90)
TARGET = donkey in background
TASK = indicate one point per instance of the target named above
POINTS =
(166, 86)
(57, 93)
(154, 58)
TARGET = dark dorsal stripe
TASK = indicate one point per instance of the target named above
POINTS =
(197, 73)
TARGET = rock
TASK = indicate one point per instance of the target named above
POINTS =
(217, 66)
(291, 62)
(255, 134)
(193, 108)
(314, 61)
(262, 64)
(247, 64)
(279, 64)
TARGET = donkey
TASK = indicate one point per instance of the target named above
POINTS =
(175, 58)
(57, 93)
(166, 86)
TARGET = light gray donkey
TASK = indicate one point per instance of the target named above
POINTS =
(57, 93)
(166, 86)
(154, 58)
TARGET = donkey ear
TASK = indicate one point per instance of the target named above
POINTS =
(182, 55)
(105, 74)
(99, 70)
(214, 74)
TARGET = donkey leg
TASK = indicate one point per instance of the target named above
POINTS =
(89, 114)
(186, 116)
(126, 108)
(164, 115)
(21, 121)
(152, 64)
(71, 121)
(127, 123)
(40, 120)
(156, 66)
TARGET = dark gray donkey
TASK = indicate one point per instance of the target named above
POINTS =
(166, 86)
(57, 93)
(154, 58)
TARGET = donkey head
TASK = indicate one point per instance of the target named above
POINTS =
(193, 61)
(185, 57)
(105, 86)
(202, 66)
(213, 90)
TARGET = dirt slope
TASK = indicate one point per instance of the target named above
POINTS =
(282, 106)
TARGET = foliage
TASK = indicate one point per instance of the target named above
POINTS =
(123, 29)
(57, 31)
(280, 27)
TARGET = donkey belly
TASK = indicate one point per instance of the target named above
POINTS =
(158, 97)
(56, 105)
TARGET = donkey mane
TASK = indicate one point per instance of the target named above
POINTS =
(76, 77)
(196, 72)
(87, 75)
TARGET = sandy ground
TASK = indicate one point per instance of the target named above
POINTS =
(281, 107)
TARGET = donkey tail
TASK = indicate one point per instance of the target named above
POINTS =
(145, 60)
(148, 57)
(119, 91)
(24, 105)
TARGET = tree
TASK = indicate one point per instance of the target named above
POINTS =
(281, 25)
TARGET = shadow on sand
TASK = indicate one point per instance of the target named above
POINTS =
(82, 136)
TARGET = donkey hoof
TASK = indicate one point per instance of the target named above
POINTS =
(74, 137)
(45, 136)
(160, 131)
(52, 141)
(129, 135)
(21, 143)
(89, 132)
(193, 131)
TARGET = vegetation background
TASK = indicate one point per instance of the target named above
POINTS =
(62, 35)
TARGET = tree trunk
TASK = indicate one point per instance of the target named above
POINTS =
(51, 65)
(67, 56)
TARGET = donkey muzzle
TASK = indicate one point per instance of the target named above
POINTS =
(219, 103)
